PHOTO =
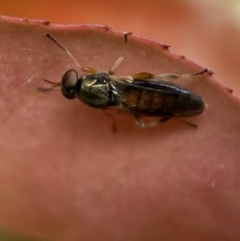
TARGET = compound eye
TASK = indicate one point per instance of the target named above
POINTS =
(69, 84)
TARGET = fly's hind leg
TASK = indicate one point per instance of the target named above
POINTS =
(142, 124)
(169, 77)
(114, 126)
(151, 124)
(188, 123)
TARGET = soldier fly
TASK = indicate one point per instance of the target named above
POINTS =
(141, 94)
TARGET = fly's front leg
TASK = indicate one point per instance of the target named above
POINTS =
(151, 124)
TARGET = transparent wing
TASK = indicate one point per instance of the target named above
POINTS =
(153, 97)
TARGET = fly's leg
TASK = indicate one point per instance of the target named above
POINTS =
(120, 59)
(114, 126)
(169, 77)
(186, 76)
(188, 123)
(151, 124)
(163, 119)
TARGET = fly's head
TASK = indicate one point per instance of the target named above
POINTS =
(69, 84)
